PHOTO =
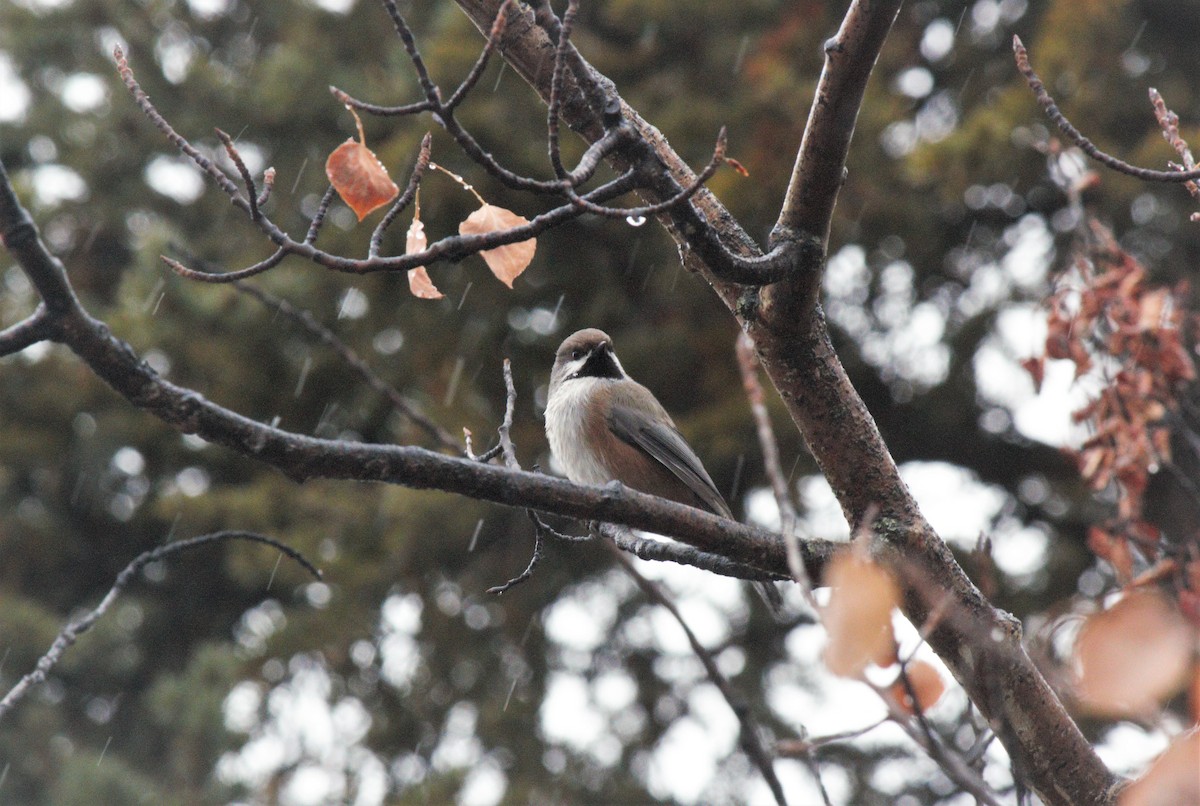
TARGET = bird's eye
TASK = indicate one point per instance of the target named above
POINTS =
(576, 354)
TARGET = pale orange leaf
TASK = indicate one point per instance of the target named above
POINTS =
(418, 279)
(508, 261)
(858, 617)
(1172, 779)
(926, 683)
(1132, 656)
(360, 178)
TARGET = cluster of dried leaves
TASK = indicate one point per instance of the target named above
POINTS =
(363, 183)
(1132, 657)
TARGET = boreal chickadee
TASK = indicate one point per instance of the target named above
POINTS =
(604, 426)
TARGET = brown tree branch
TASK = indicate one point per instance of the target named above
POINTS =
(821, 160)
(985, 654)
(30, 330)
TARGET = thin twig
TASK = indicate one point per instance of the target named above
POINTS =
(481, 63)
(318, 219)
(1075, 136)
(748, 364)
(534, 559)
(1169, 122)
(751, 741)
(556, 84)
(949, 761)
(30, 330)
(251, 190)
(73, 630)
(510, 405)
(664, 551)
(406, 198)
(226, 277)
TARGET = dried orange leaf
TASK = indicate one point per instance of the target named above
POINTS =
(737, 166)
(421, 286)
(858, 617)
(418, 279)
(926, 683)
(360, 178)
(1171, 779)
(508, 261)
(1132, 656)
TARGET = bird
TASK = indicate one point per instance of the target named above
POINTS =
(604, 426)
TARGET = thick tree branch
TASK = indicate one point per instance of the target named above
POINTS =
(821, 161)
(982, 647)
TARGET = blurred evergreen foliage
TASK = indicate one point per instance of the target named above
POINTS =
(940, 176)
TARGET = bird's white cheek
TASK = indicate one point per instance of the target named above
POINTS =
(566, 429)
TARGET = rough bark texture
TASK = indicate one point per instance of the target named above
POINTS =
(981, 644)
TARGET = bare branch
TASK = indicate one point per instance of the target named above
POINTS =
(556, 85)
(405, 199)
(481, 63)
(30, 330)
(821, 161)
(1169, 122)
(251, 190)
(1075, 136)
(73, 630)
(204, 163)
(226, 277)
(647, 548)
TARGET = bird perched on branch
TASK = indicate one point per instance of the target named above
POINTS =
(604, 426)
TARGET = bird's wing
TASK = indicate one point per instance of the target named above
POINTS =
(667, 446)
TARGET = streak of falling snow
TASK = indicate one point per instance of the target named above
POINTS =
(303, 376)
(466, 291)
(961, 17)
(511, 689)
(4, 772)
(271, 580)
(156, 304)
(154, 297)
(499, 76)
(276, 420)
(475, 537)
(741, 54)
(330, 408)
(1133, 42)
(452, 389)
(635, 220)
(299, 174)
(105, 750)
(554, 316)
